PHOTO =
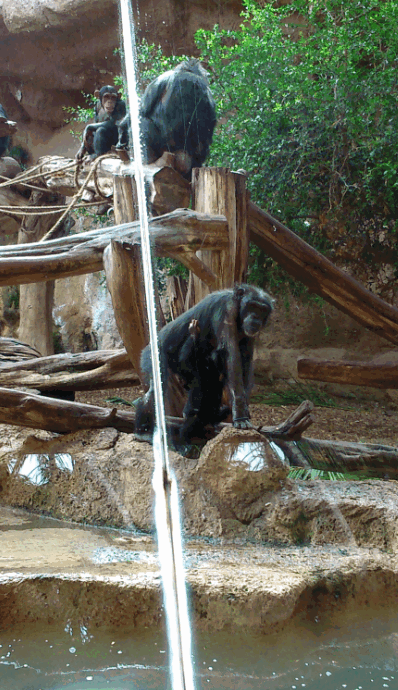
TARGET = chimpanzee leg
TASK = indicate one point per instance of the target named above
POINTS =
(145, 415)
(104, 138)
(246, 348)
(151, 140)
(4, 144)
(123, 128)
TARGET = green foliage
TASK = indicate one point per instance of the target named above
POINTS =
(311, 474)
(307, 96)
(11, 297)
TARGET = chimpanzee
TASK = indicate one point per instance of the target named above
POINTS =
(99, 137)
(10, 126)
(209, 347)
(178, 114)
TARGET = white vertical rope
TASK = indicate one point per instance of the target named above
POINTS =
(167, 517)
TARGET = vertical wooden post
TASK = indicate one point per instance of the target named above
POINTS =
(122, 264)
(123, 270)
(220, 191)
(36, 299)
(125, 201)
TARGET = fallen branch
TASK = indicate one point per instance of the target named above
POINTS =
(292, 428)
(364, 459)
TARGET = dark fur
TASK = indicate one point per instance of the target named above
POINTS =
(178, 114)
(4, 141)
(209, 347)
(99, 137)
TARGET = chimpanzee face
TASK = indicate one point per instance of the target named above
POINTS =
(254, 317)
(108, 97)
(109, 101)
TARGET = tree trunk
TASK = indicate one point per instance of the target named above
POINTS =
(36, 300)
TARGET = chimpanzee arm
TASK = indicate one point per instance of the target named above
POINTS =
(88, 139)
(236, 372)
(154, 93)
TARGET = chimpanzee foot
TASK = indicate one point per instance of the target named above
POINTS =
(242, 423)
(144, 436)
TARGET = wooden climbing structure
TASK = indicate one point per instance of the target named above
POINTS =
(212, 240)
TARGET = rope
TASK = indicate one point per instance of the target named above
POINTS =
(28, 175)
(54, 209)
(92, 172)
(38, 210)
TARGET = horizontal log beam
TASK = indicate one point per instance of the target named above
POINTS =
(383, 375)
(96, 370)
(321, 276)
(180, 233)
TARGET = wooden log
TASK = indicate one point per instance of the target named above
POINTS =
(38, 412)
(362, 459)
(176, 291)
(218, 190)
(78, 254)
(383, 375)
(168, 190)
(96, 370)
(12, 351)
(321, 276)
(123, 270)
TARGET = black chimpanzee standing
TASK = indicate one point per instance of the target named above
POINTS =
(209, 347)
(178, 114)
(9, 127)
(99, 137)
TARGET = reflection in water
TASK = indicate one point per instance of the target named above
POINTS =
(361, 655)
(37, 467)
(278, 450)
(250, 454)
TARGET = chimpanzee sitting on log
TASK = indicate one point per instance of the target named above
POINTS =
(99, 137)
(178, 114)
(209, 347)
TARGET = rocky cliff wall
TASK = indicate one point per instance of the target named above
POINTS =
(53, 51)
